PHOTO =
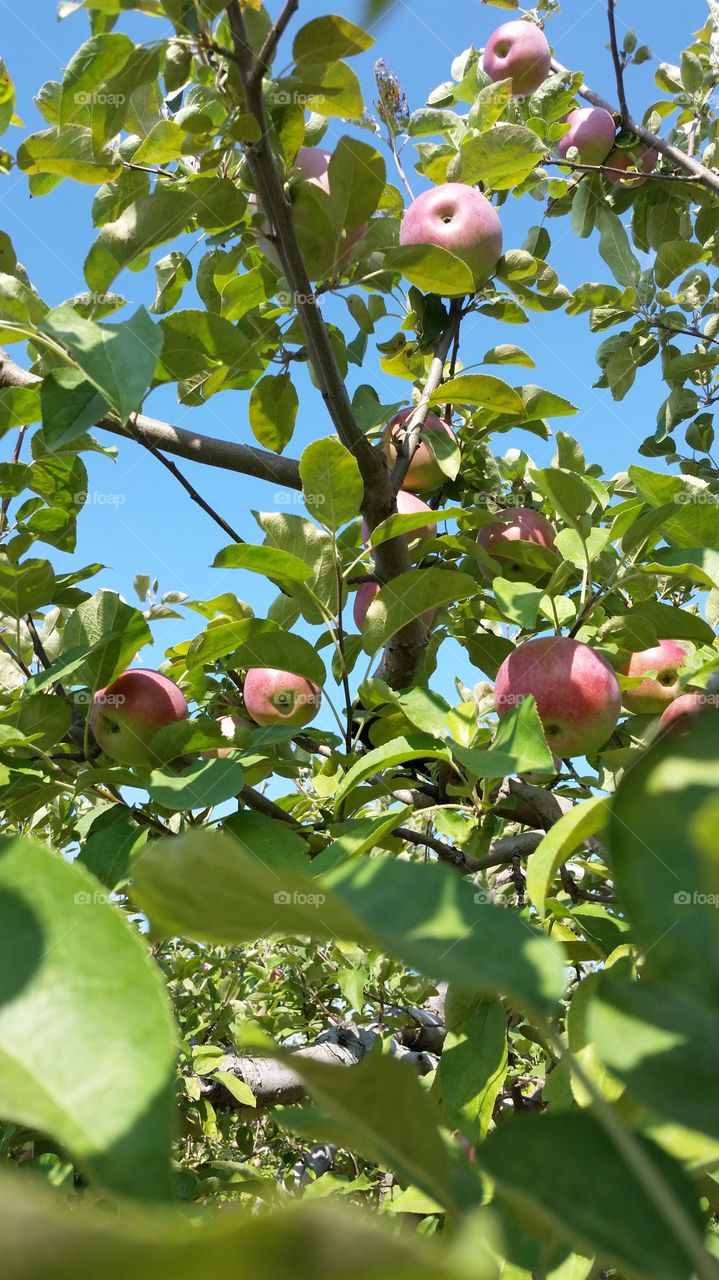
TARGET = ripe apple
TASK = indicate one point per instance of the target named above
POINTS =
(280, 697)
(424, 471)
(577, 693)
(408, 504)
(518, 51)
(676, 719)
(635, 161)
(459, 218)
(653, 694)
(312, 166)
(228, 725)
(592, 131)
(515, 524)
(363, 599)
(126, 714)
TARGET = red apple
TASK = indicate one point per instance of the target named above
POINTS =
(577, 693)
(592, 131)
(515, 524)
(459, 218)
(676, 719)
(424, 471)
(653, 694)
(280, 697)
(126, 714)
(636, 161)
(312, 166)
(518, 51)
(363, 599)
(407, 505)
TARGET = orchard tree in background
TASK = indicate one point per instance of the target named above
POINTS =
(435, 970)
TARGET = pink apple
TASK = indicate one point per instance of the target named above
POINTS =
(459, 218)
(363, 599)
(408, 504)
(577, 693)
(518, 51)
(676, 719)
(653, 694)
(636, 161)
(515, 524)
(228, 727)
(126, 714)
(280, 697)
(312, 166)
(424, 472)
(592, 131)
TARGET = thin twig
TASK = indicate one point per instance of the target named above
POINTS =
(272, 40)
(15, 459)
(15, 657)
(412, 431)
(192, 491)
(616, 59)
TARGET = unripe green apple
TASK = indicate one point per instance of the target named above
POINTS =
(515, 524)
(280, 697)
(592, 131)
(126, 714)
(460, 219)
(424, 472)
(518, 51)
(577, 693)
(653, 694)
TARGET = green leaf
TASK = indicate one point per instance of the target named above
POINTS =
(108, 633)
(19, 405)
(473, 1065)
(79, 987)
(508, 353)
(331, 483)
(118, 359)
(572, 829)
(519, 747)
(674, 257)
(502, 157)
(564, 1169)
(614, 247)
(25, 587)
(87, 71)
(172, 274)
(268, 561)
(699, 564)
(164, 142)
(518, 601)
(409, 596)
(397, 751)
(112, 841)
(332, 87)
(70, 404)
(273, 410)
(283, 651)
(329, 38)
(431, 269)
(357, 177)
(69, 153)
(202, 785)
(480, 389)
(568, 493)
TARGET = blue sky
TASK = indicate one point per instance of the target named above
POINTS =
(140, 520)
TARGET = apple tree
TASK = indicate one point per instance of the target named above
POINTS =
(285, 932)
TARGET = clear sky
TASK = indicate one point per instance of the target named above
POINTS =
(140, 521)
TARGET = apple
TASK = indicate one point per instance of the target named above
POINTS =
(676, 719)
(312, 166)
(518, 51)
(653, 694)
(408, 504)
(424, 471)
(459, 218)
(126, 714)
(636, 161)
(280, 697)
(228, 726)
(592, 131)
(515, 524)
(363, 599)
(577, 693)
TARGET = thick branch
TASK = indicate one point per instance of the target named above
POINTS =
(404, 651)
(154, 433)
(686, 162)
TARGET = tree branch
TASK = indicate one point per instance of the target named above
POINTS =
(225, 454)
(404, 651)
(267, 51)
(616, 59)
(410, 442)
(686, 162)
